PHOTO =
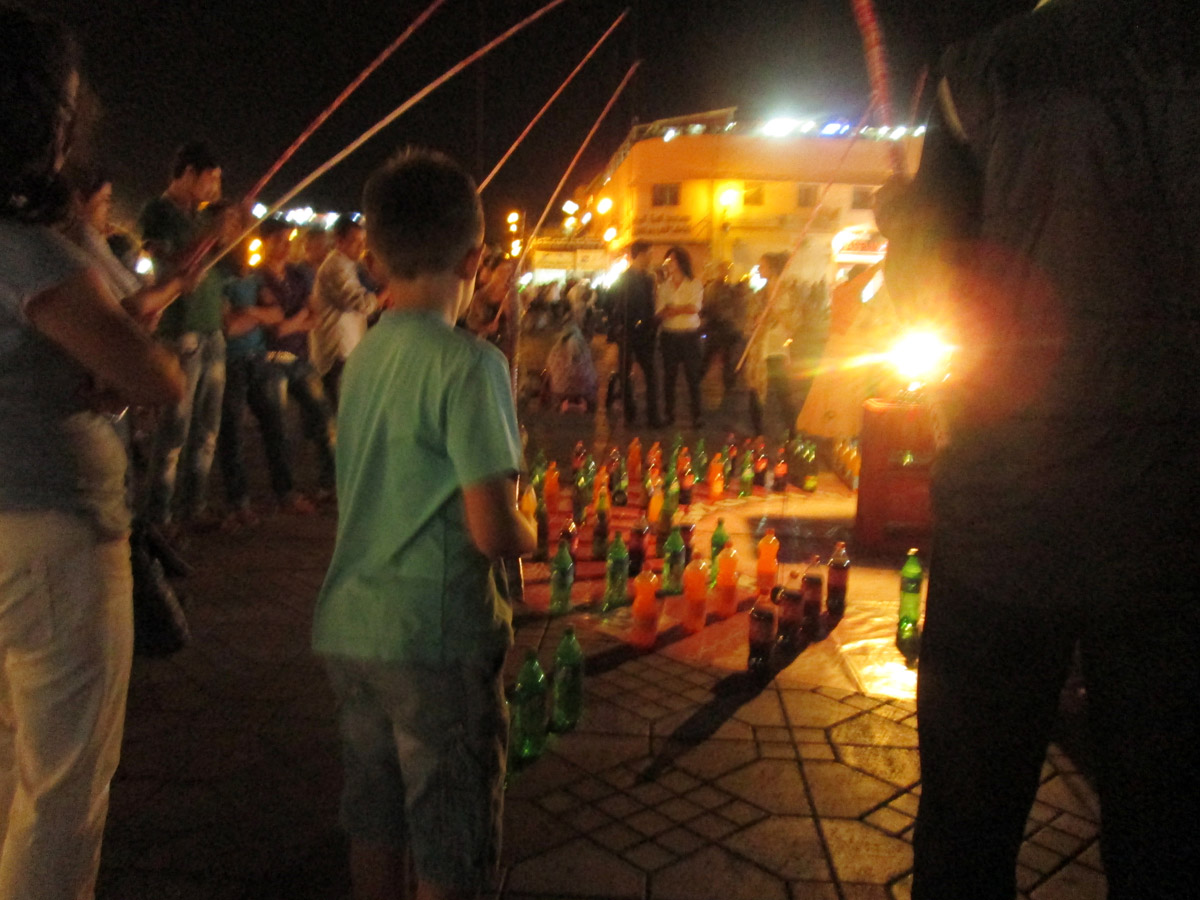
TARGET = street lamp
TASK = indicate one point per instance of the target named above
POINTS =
(604, 205)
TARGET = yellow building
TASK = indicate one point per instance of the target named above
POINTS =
(728, 189)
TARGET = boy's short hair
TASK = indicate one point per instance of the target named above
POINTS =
(344, 226)
(423, 213)
(637, 248)
(197, 155)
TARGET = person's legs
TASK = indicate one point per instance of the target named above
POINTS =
(265, 397)
(1139, 664)
(987, 694)
(206, 424)
(670, 359)
(304, 387)
(691, 357)
(229, 443)
(643, 351)
(332, 381)
(779, 394)
(66, 643)
(171, 434)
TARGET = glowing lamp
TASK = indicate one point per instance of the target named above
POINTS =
(920, 355)
(569, 222)
(610, 234)
(587, 217)
(729, 197)
(259, 210)
(514, 218)
(570, 207)
(780, 127)
(255, 244)
(144, 265)
(604, 205)
(255, 259)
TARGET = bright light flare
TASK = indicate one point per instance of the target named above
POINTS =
(570, 207)
(259, 210)
(255, 259)
(513, 218)
(255, 245)
(920, 355)
(757, 282)
(604, 205)
(729, 197)
(610, 234)
(144, 265)
(780, 127)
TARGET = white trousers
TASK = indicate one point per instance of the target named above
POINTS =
(66, 644)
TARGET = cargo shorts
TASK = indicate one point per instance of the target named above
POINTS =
(423, 751)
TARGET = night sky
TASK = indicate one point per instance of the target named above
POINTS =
(250, 75)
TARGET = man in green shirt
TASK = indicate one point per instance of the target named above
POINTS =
(413, 631)
(191, 328)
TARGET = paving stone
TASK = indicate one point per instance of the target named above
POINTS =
(774, 785)
(677, 809)
(708, 797)
(680, 841)
(619, 806)
(862, 854)
(861, 701)
(902, 889)
(1038, 858)
(1091, 858)
(817, 751)
(788, 846)
(578, 868)
(741, 812)
(773, 750)
(586, 819)
(1074, 882)
(764, 710)
(889, 820)
(590, 789)
(617, 836)
(899, 766)
(1027, 878)
(558, 802)
(529, 831)
(810, 735)
(1071, 793)
(889, 712)
(776, 734)
(874, 731)
(649, 822)
(814, 890)
(1072, 824)
(679, 782)
(621, 777)
(697, 695)
(712, 826)
(714, 758)
(650, 711)
(838, 790)
(649, 856)
(550, 773)
(597, 752)
(693, 725)
(1042, 812)
(1062, 842)
(808, 710)
(649, 793)
(715, 874)
(600, 717)
(865, 892)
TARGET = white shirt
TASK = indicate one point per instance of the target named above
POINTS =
(689, 293)
(342, 305)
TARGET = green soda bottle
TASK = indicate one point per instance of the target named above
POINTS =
(700, 459)
(674, 560)
(810, 468)
(747, 477)
(719, 539)
(542, 517)
(567, 702)
(908, 631)
(562, 577)
(620, 494)
(616, 575)
(600, 529)
(528, 734)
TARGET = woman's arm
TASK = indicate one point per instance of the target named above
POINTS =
(84, 320)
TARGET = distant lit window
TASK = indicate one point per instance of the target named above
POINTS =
(665, 194)
(864, 198)
(806, 196)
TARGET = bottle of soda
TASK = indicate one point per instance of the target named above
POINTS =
(716, 478)
(542, 517)
(725, 596)
(562, 577)
(761, 463)
(529, 709)
(720, 538)
(790, 601)
(645, 612)
(579, 499)
(695, 595)
(654, 455)
(616, 575)
(762, 634)
(812, 586)
(768, 561)
(687, 480)
(634, 460)
(578, 456)
(746, 488)
(811, 469)
(837, 580)
(637, 546)
(673, 563)
(781, 472)
(567, 703)
(908, 631)
(570, 534)
(600, 529)
(551, 486)
(687, 531)
(700, 458)
(620, 493)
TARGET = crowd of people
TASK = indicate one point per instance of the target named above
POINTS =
(1077, 326)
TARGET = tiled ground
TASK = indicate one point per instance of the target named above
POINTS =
(685, 779)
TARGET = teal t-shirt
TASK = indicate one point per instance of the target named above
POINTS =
(425, 410)
(242, 293)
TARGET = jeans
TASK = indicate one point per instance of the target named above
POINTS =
(249, 382)
(296, 379)
(681, 348)
(66, 643)
(724, 340)
(639, 348)
(187, 432)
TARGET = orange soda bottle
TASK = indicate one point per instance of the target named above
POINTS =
(768, 561)
(725, 598)
(716, 477)
(603, 479)
(646, 610)
(695, 594)
(655, 504)
(551, 488)
(654, 456)
(633, 462)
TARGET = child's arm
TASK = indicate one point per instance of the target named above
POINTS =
(496, 525)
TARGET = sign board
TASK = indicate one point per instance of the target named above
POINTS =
(554, 259)
(591, 260)
(662, 226)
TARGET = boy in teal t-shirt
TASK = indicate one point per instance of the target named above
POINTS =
(408, 619)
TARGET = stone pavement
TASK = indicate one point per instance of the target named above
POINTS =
(685, 779)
